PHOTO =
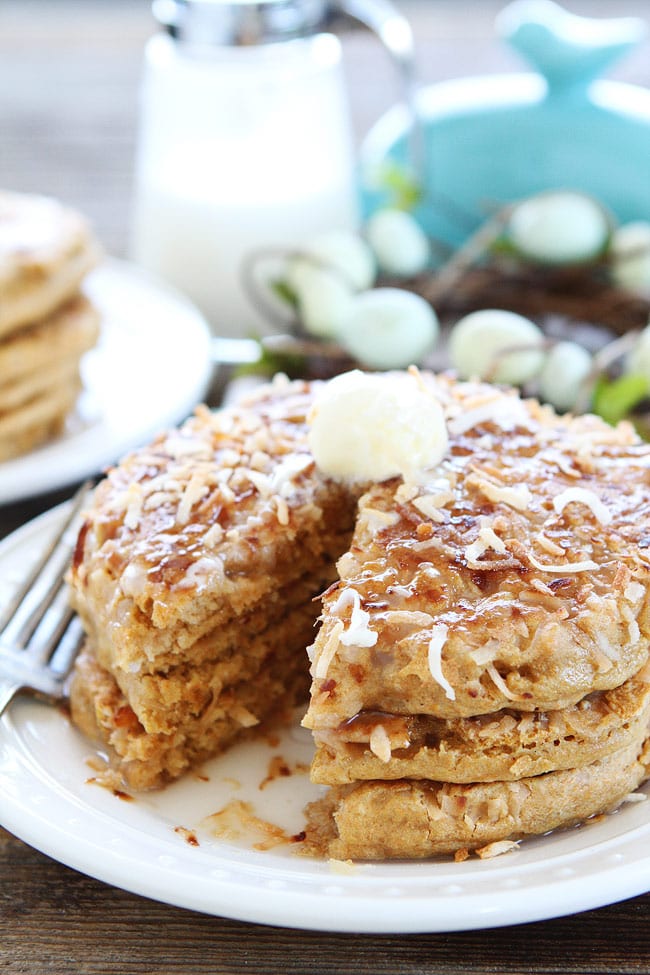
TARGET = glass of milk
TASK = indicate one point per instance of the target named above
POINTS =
(242, 146)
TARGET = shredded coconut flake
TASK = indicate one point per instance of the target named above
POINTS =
(517, 497)
(634, 591)
(429, 505)
(291, 466)
(436, 643)
(196, 489)
(375, 519)
(282, 509)
(634, 797)
(134, 500)
(380, 743)
(496, 849)
(584, 496)
(358, 633)
(506, 412)
(568, 567)
(328, 652)
(487, 539)
(499, 683)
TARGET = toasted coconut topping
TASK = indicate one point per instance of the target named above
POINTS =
(134, 497)
(358, 633)
(634, 591)
(578, 495)
(487, 539)
(518, 497)
(499, 682)
(587, 565)
(196, 489)
(329, 651)
(436, 643)
(506, 412)
(380, 743)
(375, 519)
(497, 849)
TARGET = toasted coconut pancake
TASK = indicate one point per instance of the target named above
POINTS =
(45, 251)
(505, 745)
(417, 818)
(513, 575)
(195, 574)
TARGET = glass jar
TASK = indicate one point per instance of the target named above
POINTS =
(241, 147)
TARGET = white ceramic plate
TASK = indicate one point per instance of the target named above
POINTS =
(150, 367)
(47, 800)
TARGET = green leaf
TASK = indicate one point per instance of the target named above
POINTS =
(614, 399)
(405, 190)
(271, 362)
(282, 290)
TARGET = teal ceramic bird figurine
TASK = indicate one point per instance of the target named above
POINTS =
(569, 51)
(492, 139)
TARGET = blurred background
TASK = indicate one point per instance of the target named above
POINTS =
(70, 73)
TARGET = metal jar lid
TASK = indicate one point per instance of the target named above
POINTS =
(207, 23)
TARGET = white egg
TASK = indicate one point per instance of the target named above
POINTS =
(479, 344)
(630, 254)
(347, 253)
(324, 299)
(400, 245)
(369, 427)
(559, 227)
(389, 328)
(566, 367)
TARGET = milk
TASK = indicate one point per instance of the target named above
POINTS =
(248, 151)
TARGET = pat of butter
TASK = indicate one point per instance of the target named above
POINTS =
(371, 426)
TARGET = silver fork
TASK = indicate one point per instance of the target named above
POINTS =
(40, 635)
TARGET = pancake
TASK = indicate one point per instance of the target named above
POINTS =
(46, 249)
(514, 575)
(60, 338)
(195, 574)
(38, 420)
(415, 819)
(505, 745)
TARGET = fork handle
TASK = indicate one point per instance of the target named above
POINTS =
(8, 690)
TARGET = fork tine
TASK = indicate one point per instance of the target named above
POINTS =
(55, 547)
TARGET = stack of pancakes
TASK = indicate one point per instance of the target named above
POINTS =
(194, 576)
(46, 324)
(481, 671)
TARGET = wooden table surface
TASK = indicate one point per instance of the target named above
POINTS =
(68, 108)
